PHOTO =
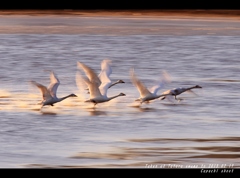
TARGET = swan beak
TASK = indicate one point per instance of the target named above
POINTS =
(121, 81)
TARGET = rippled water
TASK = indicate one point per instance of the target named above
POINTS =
(202, 129)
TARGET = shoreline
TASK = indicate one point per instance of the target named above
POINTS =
(148, 22)
(132, 13)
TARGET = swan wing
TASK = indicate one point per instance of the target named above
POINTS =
(104, 87)
(80, 81)
(89, 72)
(105, 69)
(45, 93)
(139, 85)
(170, 98)
(165, 79)
(157, 87)
(81, 84)
(167, 92)
(93, 89)
(54, 83)
(191, 92)
(91, 81)
(106, 82)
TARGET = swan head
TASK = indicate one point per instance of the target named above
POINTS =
(197, 86)
(72, 95)
(120, 81)
(122, 94)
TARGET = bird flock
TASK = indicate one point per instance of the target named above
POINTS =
(98, 85)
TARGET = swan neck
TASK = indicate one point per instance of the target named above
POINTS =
(110, 98)
(65, 97)
(113, 84)
(190, 88)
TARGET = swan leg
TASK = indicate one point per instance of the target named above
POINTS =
(177, 98)
(94, 104)
(39, 102)
(41, 108)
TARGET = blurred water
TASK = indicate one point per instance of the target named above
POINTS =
(201, 129)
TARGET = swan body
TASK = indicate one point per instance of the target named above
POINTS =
(177, 91)
(147, 95)
(98, 94)
(49, 94)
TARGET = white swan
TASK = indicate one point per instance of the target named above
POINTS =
(177, 91)
(98, 94)
(49, 95)
(145, 94)
(106, 70)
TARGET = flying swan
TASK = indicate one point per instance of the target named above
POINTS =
(49, 95)
(147, 95)
(106, 69)
(177, 91)
(98, 94)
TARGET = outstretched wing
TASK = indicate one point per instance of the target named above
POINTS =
(139, 85)
(106, 82)
(170, 98)
(93, 88)
(105, 69)
(81, 85)
(161, 83)
(92, 81)
(191, 92)
(54, 83)
(80, 81)
(45, 93)
(90, 73)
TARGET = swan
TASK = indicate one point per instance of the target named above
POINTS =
(106, 70)
(147, 95)
(177, 91)
(49, 95)
(98, 94)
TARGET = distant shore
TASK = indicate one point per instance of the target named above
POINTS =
(132, 22)
(135, 13)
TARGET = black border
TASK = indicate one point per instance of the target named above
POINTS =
(119, 5)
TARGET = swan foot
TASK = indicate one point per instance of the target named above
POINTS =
(41, 108)
(179, 100)
(40, 103)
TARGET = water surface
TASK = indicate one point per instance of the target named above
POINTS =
(202, 129)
